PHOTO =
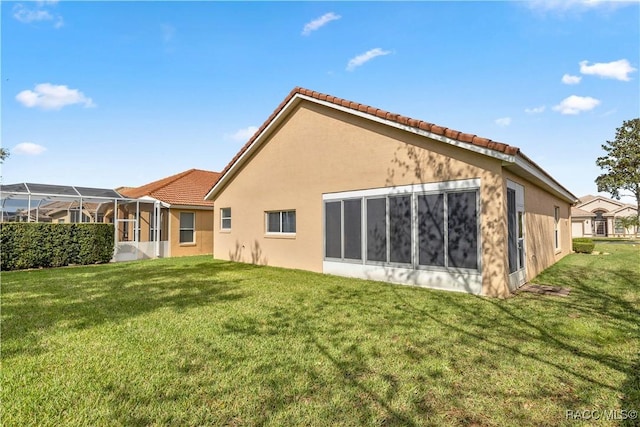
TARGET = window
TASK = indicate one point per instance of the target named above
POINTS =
(352, 232)
(333, 229)
(418, 229)
(225, 219)
(431, 229)
(343, 225)
(556, 226)
(462, 229)
(100, 218)
(281, 222)
(75, 216)
(400, 229)
(187, 227)
(377, 229)
(619, 227)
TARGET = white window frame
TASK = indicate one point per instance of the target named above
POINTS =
(223, 217)
(181, 228)
(279, 233)
(78, 216)
(461, 279)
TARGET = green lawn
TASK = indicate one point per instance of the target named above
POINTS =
(193, 341)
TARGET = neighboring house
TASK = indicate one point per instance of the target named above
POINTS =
(598, 216)
(174, 219)
(334, 186)
(69, 212)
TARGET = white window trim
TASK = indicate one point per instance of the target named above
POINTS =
(463, 184)
(180, 228)
(279, 233)
(222, 218)
(448, 278)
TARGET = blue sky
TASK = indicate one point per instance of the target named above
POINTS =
(107, 94)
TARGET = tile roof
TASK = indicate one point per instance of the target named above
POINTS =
(408, 121)
(185, 188)
(577, 212)
(585, 199)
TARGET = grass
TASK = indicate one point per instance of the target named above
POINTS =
(194, 341)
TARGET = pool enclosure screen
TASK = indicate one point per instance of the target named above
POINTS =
(59, 204)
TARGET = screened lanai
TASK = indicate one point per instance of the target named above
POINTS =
(31, 202)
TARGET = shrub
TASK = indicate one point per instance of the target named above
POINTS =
(583, 245)
(35, 245)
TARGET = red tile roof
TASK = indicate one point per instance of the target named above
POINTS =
(185, 188)
(418, 124)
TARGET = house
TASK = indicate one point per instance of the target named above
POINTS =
(334, 186)
(598, 216)
(174, 219)
(61, 212)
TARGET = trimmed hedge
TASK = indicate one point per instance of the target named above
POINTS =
(34, 245)
(583, 245)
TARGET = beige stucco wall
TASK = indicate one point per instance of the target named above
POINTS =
(203, 233)
(599, 204)
(316, 151)
(539, 206)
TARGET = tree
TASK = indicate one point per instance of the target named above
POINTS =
(630, 223)
(3, 154)
(622, 163)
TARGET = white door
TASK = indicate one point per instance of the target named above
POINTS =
(516, 235)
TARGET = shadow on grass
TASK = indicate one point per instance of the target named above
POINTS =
(35, 302)
(524, 332)
(349, 326)
(631, 394)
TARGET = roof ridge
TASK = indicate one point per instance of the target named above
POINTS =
(161, 183)
(377, 112)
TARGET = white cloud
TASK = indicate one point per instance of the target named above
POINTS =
(168, 32)
(23, 14)
(568, 79)
(503, 121)
(576, 5)
(244, 134)
(535, 110)
(38, 13)
(316, 24)
(576, 104)
(618, 70)
(29, 149)
(52, 97)
(365, 57)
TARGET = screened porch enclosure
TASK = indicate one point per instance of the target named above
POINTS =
(140, 226)
(141, 229)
